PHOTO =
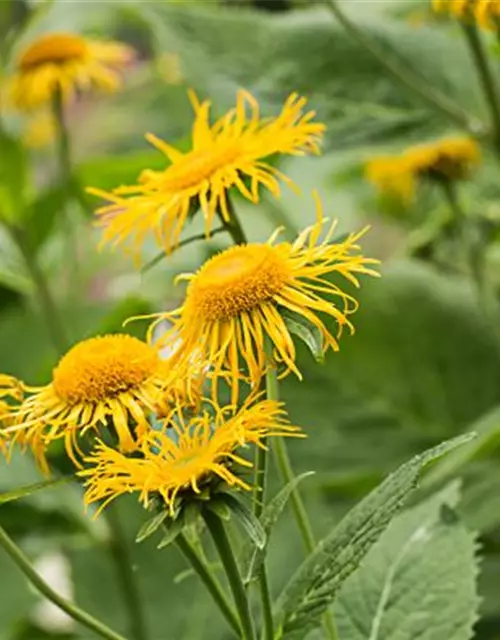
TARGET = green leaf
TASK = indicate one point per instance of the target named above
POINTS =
(174, 529)
(418, 580)
(152, 525)
(305, 331)
(14, 176)
(22, 492)
(246, 518)
(220, 508)
(253, 557)
(318, 579)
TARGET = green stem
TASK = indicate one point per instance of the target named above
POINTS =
(401, 73)
(64, 159)
(223, 546)
(126, 579)
(267, 609)
(233, 225)
(486, 76)
(162, 255)
(209, 581)
(298, 508)
(46, 301)
(84, 618)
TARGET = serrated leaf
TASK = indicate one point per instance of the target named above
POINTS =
(253, 557)
(318, 579)
(152, 525)
(305, 331)
(418, 580)
(246, 518)
(22, 492)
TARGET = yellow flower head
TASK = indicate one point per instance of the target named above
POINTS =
(392, 175)
(229, 153)
(445, 159)
(458, 8)
(448, 158)
(108, 380)
(186, 456)
(234, 302)
(487, 13)
(64, 62)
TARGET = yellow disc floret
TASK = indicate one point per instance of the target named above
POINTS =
(103, 367)
(236, 281)
(112, 382)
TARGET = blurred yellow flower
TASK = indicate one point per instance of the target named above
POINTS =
(187, 456)
(67, 63)
(114, 380)
(234, 302)
(229, 153)
(447, 159)
(40, 131)
(391, 175)
(485, 12)
(459, 8)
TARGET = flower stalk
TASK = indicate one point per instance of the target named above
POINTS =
(209, 580)
(224, 548)
(486, 77)
(74, 612)
(434, 99)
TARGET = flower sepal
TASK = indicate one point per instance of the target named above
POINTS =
(306, 332)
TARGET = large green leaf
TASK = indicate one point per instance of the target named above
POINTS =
(418, 581)
(317, 580)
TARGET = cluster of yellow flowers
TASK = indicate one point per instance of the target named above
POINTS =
(445, 159)
(485, 12)
(157, 426)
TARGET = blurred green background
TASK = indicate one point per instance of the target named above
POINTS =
(424, 364)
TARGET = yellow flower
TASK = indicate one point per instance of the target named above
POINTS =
(107, 380)
(11, 393)
(40, 131)
(487, 14)
(64, 62)
(445, 159)
(391, 175)
(458, 8)
(448, 158)
(234, 302)
(229, 153)
(187, 456)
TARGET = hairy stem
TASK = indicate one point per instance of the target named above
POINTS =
(208, 579)
(486, 77)
(74, 612)
(126, 579)
(435, 99)
(223, 546)
(298, 508)
(47, 304)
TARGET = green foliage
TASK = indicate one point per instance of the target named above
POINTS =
(22, 492)
(253, 556)
(418, 580)
(305, 331)
(318, 579)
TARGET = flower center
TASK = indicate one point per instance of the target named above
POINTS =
(197, 166)
(101, 368)
(55, 48)
(237, 280)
